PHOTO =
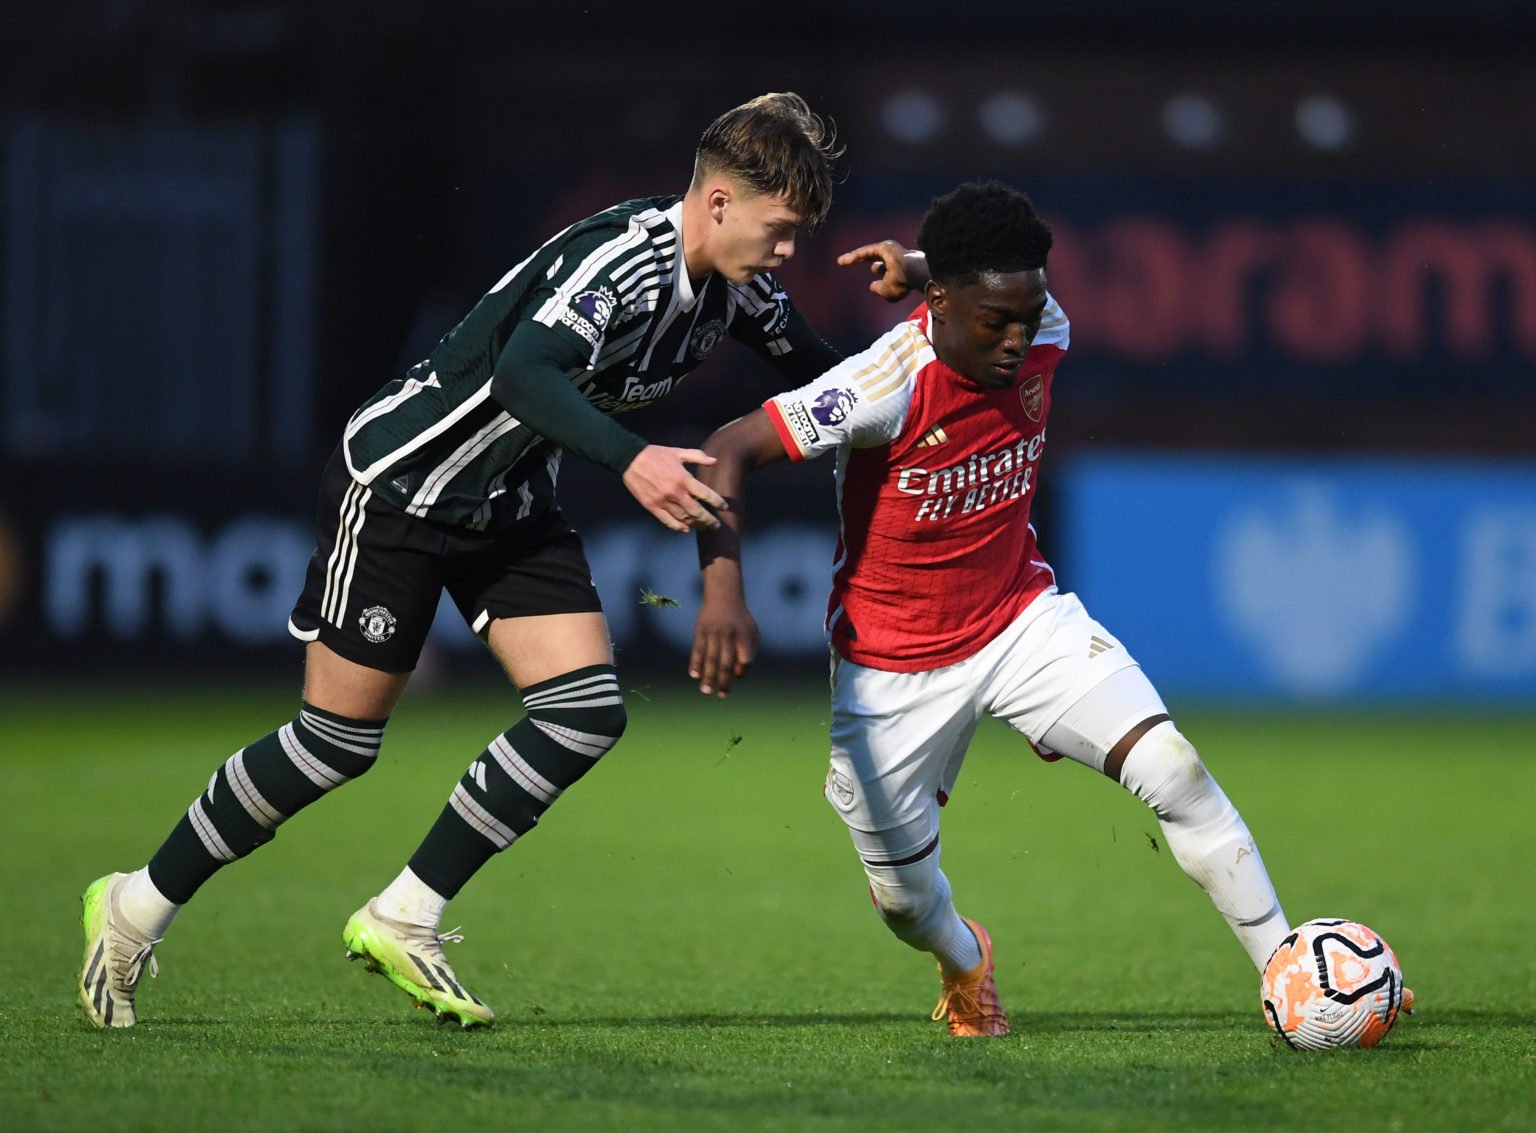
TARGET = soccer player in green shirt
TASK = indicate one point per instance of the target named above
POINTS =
(445, 479)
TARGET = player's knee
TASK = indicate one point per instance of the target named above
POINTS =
(1165, 771)
(610, 720)
(603, 723)
(348, 748)
(315, 752)
(582, 711)
(904, 895)
(895, 903)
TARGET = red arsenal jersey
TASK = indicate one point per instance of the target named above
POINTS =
(935, 552)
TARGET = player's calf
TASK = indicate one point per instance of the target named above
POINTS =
(1207, 836)
(913, 898)
(248, 797)
(259, 788)
(573, 721)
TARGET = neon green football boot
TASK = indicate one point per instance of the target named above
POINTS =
(411, 957)
(115, 955)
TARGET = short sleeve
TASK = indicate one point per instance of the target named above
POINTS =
(861, 402)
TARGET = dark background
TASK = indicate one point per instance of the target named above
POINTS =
(1297, 228)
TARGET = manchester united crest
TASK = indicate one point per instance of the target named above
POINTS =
(1032, 395)
(706, 338)
(377, 624)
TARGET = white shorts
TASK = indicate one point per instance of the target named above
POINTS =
(899, 739)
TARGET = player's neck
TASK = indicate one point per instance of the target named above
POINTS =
(695, 238)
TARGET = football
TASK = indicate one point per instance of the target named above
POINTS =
(1332, 983)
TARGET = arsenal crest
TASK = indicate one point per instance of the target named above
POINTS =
(1032, 395)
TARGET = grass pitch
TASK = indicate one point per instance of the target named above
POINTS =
(686, 943)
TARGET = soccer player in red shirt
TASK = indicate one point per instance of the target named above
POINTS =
(942, 608)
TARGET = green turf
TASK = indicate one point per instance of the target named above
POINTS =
(686, 944)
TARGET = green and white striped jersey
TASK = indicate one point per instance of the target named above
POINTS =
(438, 445)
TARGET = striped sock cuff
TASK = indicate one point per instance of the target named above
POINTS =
(595, 686)
(573, 721)
(259, 788)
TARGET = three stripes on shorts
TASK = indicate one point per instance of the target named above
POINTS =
(341, 564)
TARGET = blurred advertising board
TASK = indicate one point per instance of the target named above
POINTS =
(158, 573)
(1310, 579)
(1298, 579)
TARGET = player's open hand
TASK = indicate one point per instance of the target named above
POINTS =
(888, 263)
(724, 642)
(659, 478)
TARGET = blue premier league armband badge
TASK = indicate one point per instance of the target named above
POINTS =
(833, 406)
(596, 305)
(589, 313)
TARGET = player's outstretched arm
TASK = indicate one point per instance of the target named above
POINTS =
(725, 635)
(897, 271)
(659, 479)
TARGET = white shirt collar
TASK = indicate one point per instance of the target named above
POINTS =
(682, 289)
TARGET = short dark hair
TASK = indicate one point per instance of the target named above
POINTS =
(774, 144)
(982, 226)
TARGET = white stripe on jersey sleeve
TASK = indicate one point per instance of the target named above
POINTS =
(861, 402)
(1055, 330)
(627, 261)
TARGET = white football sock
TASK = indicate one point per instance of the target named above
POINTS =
(956, 949)
(1208, 837)
(408, 898)
(146, 908)
(915, 903)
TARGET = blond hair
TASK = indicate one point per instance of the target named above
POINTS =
(775, 145)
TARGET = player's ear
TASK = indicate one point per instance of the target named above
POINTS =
(716, 200)
(938, 300)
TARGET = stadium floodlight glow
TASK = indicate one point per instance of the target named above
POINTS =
(1011, 118)
(1324, 122)
(912, 116)
(1192, 121)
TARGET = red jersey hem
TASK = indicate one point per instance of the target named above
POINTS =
(850, 651)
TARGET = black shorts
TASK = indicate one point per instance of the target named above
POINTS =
(377, 574)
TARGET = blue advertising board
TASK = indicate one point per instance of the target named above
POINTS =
(1310, 578)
